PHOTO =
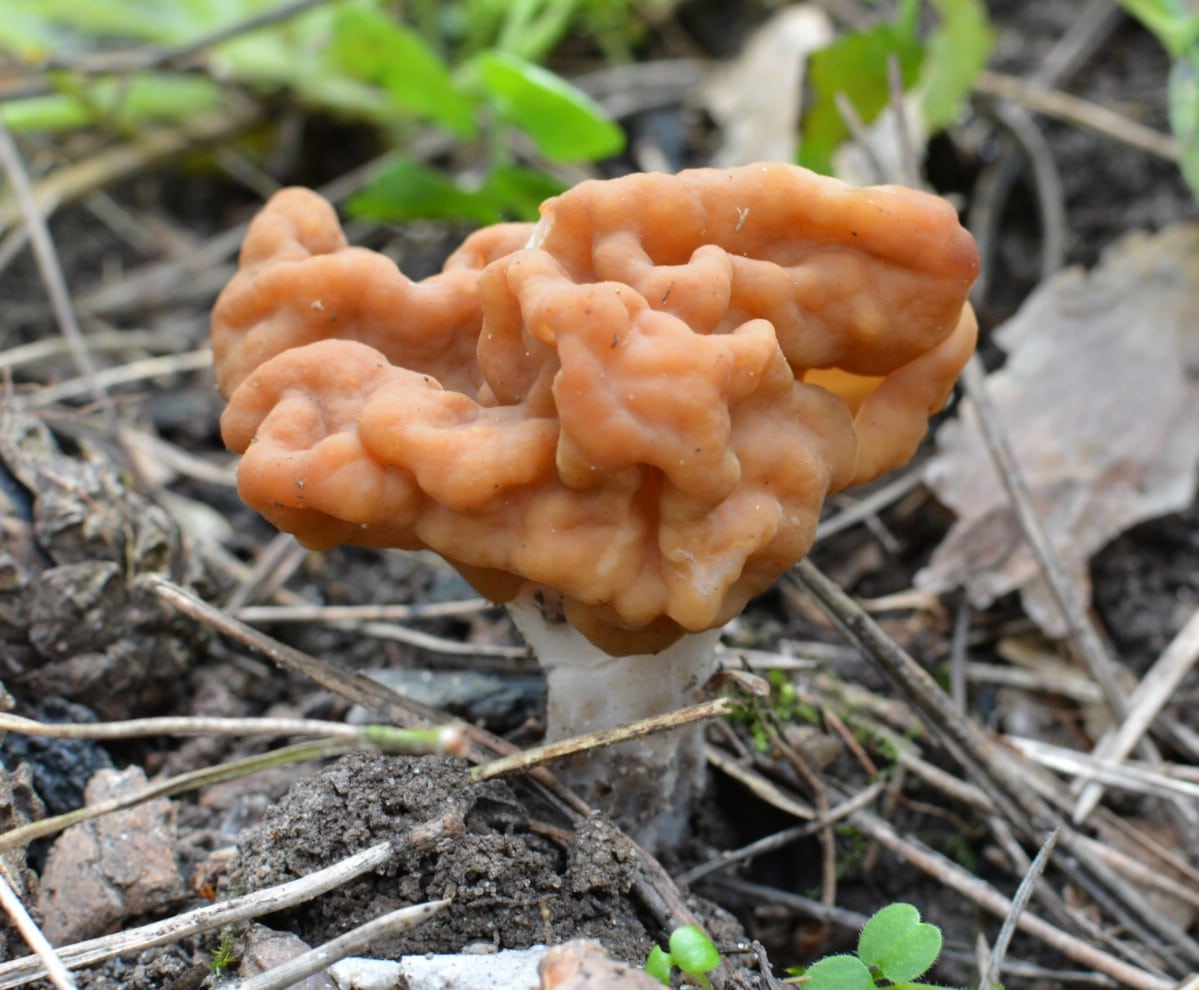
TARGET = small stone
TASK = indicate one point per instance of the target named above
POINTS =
(582, 964)
(263, 949)
(103, 871)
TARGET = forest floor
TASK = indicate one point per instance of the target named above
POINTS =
(135, 584)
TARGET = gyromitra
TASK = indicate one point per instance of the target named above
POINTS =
(622, 421)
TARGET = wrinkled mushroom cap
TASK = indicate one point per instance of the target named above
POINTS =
(640, 403)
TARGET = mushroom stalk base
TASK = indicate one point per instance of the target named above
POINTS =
(648, 785)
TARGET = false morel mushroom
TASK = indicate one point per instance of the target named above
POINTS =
(622, 421)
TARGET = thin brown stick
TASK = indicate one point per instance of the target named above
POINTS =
(1155, 689)
(1070, 109)
(525, 760)
(356, 940)
(1080, 630)
(215, 916)
(990, 976)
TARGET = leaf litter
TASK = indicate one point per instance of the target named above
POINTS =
(1098, 398)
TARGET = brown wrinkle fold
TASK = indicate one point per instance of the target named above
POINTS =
(641, 402)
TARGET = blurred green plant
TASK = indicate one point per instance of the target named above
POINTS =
(467, 68)
(939, 66)
(784, 704)
(691, 952)
(1175, 23)
(895, 948)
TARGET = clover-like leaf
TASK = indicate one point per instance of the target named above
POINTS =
(842, 972)
(658, 965)
(692, 950)
(898, 943)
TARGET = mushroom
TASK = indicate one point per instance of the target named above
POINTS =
(622, 421)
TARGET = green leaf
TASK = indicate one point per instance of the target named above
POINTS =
(692, 950)
(843, 972)
(370, 45)
(532, 27)
(114, 102)
(898, 943)
(957, 52)
(1184, 114)
(129, 20)
(1174, 23)
(404, 189)
(856, 65)
(519, 192)
(658, 965)
(563, 121)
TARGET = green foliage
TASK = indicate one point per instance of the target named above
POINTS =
(1176, 25)
(223, 958)
(691, 951)
(895, 948)
(940, 67)
(468, 68)
(785, 705)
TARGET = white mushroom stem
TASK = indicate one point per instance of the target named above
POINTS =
(648, 785)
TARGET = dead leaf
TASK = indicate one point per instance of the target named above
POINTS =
(1099, 399)
(756, 96)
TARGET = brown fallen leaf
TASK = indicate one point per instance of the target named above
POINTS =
(1100, 400)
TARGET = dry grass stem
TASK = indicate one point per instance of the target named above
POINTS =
(51, 965)
(149, 148)
(277, 614)
(1081, 630)
(1151, 695)
(358, 940)
(381, 738)
(231, 912)
(1135, 778)
(1078, 112)
(857, 509)
(49, 268)
(1004, 779)
(525, 760)
(123, 374)
(762, 788)
(25, 355)
(990, 975)
(778, 840)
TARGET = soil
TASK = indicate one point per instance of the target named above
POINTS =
(85, 531)
(511, 887)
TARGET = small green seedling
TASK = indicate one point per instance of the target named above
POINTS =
(691, 951)
(894, 950)
(223, 957)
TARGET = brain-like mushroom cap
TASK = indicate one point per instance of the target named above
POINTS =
(641, 402)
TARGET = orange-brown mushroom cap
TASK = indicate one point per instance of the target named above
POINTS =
(640, 403)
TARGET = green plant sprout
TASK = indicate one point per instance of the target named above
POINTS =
(940, 68)
(691, 952)
(1175, 23)
(467, 69)
(785, 706)
(223, 957)
(895, 948)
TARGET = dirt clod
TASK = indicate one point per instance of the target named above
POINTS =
(511, 886)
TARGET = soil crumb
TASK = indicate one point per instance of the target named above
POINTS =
(512, 885)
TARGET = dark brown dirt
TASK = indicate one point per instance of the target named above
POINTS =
(511, 886)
